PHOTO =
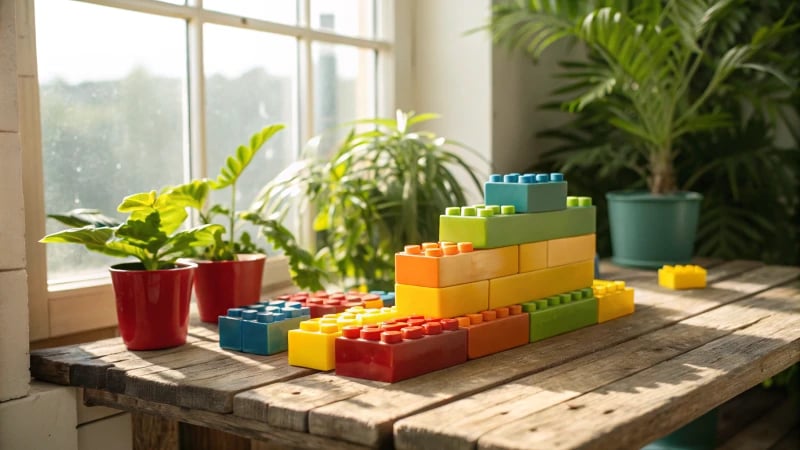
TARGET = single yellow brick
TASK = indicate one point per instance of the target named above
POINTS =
(614, 299)
(539, 284)
(312, 345)
(442, 302)
(682, 277)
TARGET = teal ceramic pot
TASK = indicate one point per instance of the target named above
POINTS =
(701, 434)
(649, 230)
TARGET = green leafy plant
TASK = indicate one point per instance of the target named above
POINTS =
(748, 173)
(381, 189)
(150, 233)
(646, 71)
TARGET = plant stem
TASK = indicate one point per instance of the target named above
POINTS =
(663, 172)
(232, 216)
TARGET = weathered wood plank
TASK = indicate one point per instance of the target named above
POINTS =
(225, 422)
(491, 409)
(766, 432)
(368, 417)
(611, 271)
(286, 405)
(635, 410)
(151, 432)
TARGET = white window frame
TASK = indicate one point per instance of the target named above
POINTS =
(74, 307)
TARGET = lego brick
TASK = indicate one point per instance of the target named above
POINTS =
(230, 329)
(312, 345)
(533, 256)
(541, 283)
(570, 250)
(614, 299)
(260, 328)
(322, 303)
(498, 226)
(495, 330)
(387, 297)
(682, 277)
(527, 193)
(449, 301)
(400, 350)
(449, 264)
(561, 313)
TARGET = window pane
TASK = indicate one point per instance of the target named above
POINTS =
(112, 113)
(283, 11)
(350, 17)
(247, 89)
(344, 89)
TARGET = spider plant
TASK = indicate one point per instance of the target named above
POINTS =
(646, 69)
(383, 188)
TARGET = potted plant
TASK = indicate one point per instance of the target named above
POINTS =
(641, 76)
(229, 271)
(384, 187)
(152, 295)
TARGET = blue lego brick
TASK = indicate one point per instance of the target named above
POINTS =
(499, 226)
(230, 330)
(266, 332)
(387, 297)
(528, 193)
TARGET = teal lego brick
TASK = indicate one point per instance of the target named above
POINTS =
(493, 226)
(561, 313)
(527, 193)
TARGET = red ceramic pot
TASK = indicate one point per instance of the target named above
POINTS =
(152, 305)
(219, 285)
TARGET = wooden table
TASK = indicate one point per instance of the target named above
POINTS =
(621, 384)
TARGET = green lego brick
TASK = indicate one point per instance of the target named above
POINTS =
(486, 229)
(527, 193)
(560, 314)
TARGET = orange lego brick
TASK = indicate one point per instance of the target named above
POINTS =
(495, 330)
(541, 283)
(443, 302)
(570, 250)
(682, 277)
(614, 299)
(533, 256)
(450, 264)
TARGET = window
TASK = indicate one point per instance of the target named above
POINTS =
(138, 94)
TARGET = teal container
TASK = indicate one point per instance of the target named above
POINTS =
(701, 434)
(650, 230)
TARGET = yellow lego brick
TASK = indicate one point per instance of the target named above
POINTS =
(570, 250)
(312, 345)
(449, 264)
(541, 283)
(682, 277)
(369, 316)
(532, 256)
(614, 299)
(444, 302)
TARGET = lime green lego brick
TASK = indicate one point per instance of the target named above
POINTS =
(556, 315)
(514, 229)
(527, 192)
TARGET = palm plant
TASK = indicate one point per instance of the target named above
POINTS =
(646, 60)
(383, 188)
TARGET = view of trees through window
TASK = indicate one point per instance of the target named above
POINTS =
(115, 117)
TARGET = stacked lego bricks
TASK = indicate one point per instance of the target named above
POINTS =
(516, 270)
(263, 328)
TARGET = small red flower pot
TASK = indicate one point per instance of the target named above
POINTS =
(219, 285)
(152, 305)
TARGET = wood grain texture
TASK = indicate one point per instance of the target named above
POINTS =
(151, 432)
(225, 422)
(766, 432)
(368, 418)
(461, 423)
(635, 410)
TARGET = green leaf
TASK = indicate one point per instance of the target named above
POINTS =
(138, 202)
(235, 165)
(146, 234)
(83, 216)
(192, 195)
(180, 244)
(93, 238)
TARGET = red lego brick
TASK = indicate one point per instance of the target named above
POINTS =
(495, 330)
(398, 350)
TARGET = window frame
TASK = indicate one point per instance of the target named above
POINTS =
(78, 306)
